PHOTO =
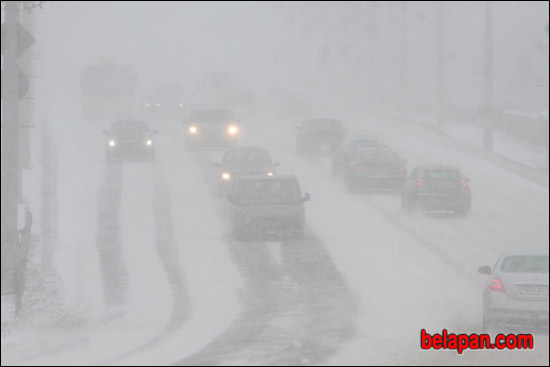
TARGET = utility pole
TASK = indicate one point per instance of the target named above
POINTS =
(441, 98)
(10, 147)
(373, 53)
(488, 74)
(404, 56)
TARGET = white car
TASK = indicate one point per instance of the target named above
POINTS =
(517, 289)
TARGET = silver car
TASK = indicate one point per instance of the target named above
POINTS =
(517, 289)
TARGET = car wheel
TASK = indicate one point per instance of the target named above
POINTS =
(407, 204)
(351, 184)
(463, 210)
(488, 322)
(300, 231)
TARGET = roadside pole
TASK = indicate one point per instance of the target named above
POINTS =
(10, 146)
(488, 77)
(441, 98)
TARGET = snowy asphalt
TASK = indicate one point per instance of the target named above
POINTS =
(176, 289)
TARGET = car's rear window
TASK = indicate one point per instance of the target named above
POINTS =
(378, 155)
(525, 264)
(211, 115)
(442, 175)
(262, 190)
(367, 143)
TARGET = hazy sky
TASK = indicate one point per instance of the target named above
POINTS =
(323, 50)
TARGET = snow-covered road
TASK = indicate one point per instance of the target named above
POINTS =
(155, 278)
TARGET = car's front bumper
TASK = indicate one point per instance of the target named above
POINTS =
(129, 150)
(210, 141)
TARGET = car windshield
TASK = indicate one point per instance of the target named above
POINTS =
(269, 190)
(130, 128)
(366, 143)
(211, 116)
(249, 158)
(323, 124)
(442, 175)
(525, 264)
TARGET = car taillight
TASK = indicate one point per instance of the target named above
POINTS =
(401, 169)
(464, 183)
(359, 168)
(496, 285)
(419, 182)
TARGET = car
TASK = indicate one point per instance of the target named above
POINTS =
(517, 290)
(211, 127)
(437, 188)
(131, 139)
(319, 136)
(242, 161)
(164, 102)
(375, 168)
(263, 204)
(347, 152)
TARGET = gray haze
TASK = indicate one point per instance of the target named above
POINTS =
(139, 262)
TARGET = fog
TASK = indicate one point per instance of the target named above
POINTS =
(143, 259)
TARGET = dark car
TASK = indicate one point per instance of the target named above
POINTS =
(517, 290)
(211, 127)
(263, 204)
(319, 136)
(378, 168)
(440, 188)
(347, 152)
(130, 140)
(243, 161)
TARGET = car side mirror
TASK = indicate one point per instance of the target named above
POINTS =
(185, 121)
(306, 197)
(467, 179)
(404, 161)
(484, 269)
(218, 164)
(297, 128)
(230, 198)
(155, 132)
(105, 132)
(276, 164)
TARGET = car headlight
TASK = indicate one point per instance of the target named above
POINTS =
(149, 142)
(270, 173)
(226, 176)
(112, 143)
(147, 105)
(193, 129)
(232, 130)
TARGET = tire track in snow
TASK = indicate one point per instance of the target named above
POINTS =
(167, 251)
(294, 313)
(109, 245)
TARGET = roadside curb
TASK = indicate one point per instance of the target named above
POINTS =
(443, 139)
